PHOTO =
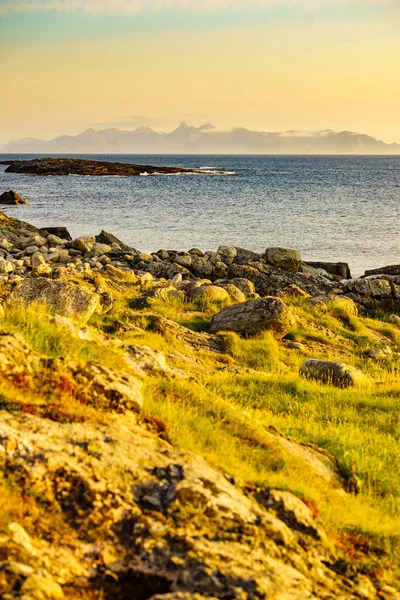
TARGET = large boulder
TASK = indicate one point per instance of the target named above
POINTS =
(255, 316)
(61, 232)
(65, 298)
(340, 269)
(336, 373)
(290, 260)
(11, 197)
(388, 270)
(210, 293)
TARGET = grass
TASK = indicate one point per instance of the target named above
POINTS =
(225, 407)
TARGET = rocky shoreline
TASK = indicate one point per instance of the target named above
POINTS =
(74, 166)
(114, 508)
(26, 252)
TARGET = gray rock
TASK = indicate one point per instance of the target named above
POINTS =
(290, 260)
(254, 316)
(340, 269)
(65, 298)
(336, 373)
(388, 270)
(210, 293)
(61, 232)
(227, 254)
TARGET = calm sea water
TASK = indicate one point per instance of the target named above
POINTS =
(329, 208)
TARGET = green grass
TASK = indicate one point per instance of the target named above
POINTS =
(225, 407)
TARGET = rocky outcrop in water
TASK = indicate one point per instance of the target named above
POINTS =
(79, 166)
(11, 197)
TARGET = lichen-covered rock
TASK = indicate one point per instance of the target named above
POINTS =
(290, 260)
(335, 373)
(227, 254)
(254, 316)
(65, 298)
(210, 293)
(141, 512)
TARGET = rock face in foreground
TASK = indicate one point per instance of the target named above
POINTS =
(146, 518)
(255, 316)
(78, 166)
(11, 197)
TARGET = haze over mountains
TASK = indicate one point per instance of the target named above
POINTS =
(205, 139)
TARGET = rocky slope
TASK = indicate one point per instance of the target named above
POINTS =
(98, 499)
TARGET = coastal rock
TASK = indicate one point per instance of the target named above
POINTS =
(270, 280)
(65, 298)
(235, 294)
(290, 260)
(209, 293)
(340, 269)
(11, 197)
(388, 270)
(227, 254)
(108, 238)
(61, 232)
(244, 285)
(336, 373)
(84, 244)
(254, 316)
(244, 257)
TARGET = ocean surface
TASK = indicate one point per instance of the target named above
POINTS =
(332, 208)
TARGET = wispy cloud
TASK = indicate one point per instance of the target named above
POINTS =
(140, 6)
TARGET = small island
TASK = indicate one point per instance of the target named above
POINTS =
(80, 166)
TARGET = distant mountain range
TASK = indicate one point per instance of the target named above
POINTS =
(204, 140)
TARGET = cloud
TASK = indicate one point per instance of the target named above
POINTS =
(140, 6)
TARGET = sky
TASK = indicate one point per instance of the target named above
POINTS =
(269, 65)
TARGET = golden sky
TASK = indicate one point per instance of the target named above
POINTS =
(272, 65)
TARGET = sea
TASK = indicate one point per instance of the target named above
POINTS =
(330, 208)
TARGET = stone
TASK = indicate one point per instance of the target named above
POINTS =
(83, 244)
(227, 254)
(293, 291)
(395, 319)
(244, 257)
(68, 299)
(35, 240)
(37, 260)
(336, 373)
(255, 316)
(41, 586)
(31, 250)
(61, 232)
(184, 259)
(5, 244)
(108, 238)
(244, 285)
(53, 241)
(340, 269)
(201, 266)
(197, 340)
(290, 260)
(388, 270)
(6, 266)
(11, 197)
(235, 294)
(209, 293)
(100, 249)
(146, 361)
